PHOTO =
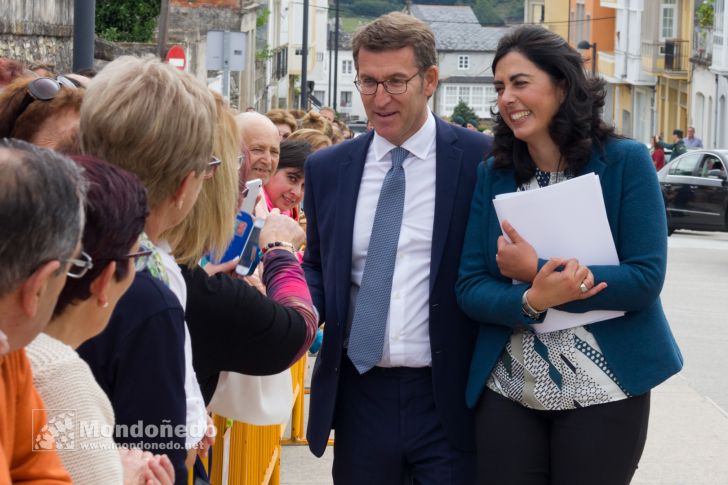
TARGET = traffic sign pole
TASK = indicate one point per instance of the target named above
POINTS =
(226, 65)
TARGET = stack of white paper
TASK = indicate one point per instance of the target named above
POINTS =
(564, 220)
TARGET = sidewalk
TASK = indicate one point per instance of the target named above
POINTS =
(687, 444)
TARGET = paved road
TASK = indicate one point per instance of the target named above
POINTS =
(695, 298)
(687, 443)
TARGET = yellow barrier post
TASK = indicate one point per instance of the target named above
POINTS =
(255, 451)
(298, 376)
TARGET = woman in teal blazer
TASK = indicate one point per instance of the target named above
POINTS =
(571, 406)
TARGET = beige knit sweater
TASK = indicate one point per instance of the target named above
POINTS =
(69, 391)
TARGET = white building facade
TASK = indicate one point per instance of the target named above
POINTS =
(719, 67)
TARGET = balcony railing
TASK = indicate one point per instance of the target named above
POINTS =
(702, 45)
(671, 55)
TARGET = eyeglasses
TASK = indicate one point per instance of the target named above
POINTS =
(241, 159)
(43, 89)
(368, 87)
(140, 258)
(79, 267)
(211, 168)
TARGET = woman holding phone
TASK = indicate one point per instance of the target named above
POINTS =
(224, 312)
(570, 406)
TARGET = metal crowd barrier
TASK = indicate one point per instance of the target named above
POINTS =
(254, 452)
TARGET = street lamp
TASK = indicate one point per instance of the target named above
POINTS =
(583, 45)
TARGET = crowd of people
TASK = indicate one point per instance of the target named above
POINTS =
(118, 189)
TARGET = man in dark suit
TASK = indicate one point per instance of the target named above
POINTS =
(386, 218)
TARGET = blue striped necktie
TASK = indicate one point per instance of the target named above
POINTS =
(366, 340)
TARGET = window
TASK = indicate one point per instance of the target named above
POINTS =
(685, 165)
(464, 94)
(319, 57)
(463, 62)
(572, 27)
(451, 96)
(719, 21)
(668, 19)
(712, 167)
(347, 66)
(345, 101)
(587, 27)
(579, 23)
(320, 95)
(479, 97)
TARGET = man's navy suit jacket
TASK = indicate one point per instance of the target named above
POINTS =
(333, 176)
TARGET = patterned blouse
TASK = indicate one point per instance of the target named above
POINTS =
(554, 371)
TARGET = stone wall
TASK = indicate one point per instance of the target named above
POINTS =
(38, 32)
(189, 23)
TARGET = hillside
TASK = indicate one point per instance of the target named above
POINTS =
(489, 12)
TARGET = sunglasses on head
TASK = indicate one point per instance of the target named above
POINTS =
(43, 89)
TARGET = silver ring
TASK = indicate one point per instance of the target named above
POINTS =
(583, 287)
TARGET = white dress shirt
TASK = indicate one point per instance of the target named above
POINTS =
(407, 335)
(196, 412)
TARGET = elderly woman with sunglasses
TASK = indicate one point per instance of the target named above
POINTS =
(41, 110)
(116, 208)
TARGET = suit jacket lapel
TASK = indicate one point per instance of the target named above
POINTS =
(448, 166)
(347, 192)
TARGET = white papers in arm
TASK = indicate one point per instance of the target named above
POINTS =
(564, 220)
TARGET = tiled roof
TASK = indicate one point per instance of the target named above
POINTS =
(456, 28)
(467, 80)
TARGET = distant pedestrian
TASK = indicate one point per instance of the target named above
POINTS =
(692, 141)
(677, 146)
(658, 154)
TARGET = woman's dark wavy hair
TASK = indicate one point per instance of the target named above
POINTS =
(577, 124)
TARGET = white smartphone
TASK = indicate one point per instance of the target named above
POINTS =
(254, 187)
(249, 257)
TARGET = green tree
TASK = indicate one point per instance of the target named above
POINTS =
(465, 113)
(704, 14)
(127, 20)
(487, 12)
(373, 8)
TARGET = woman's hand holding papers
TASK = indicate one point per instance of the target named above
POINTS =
(553, 287)
(516, 259)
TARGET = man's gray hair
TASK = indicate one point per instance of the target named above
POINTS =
(41, 210)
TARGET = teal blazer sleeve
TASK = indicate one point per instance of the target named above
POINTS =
(483, 293)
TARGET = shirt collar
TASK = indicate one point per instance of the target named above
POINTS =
(418, 144)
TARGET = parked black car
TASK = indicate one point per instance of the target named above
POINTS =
(695, 188)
